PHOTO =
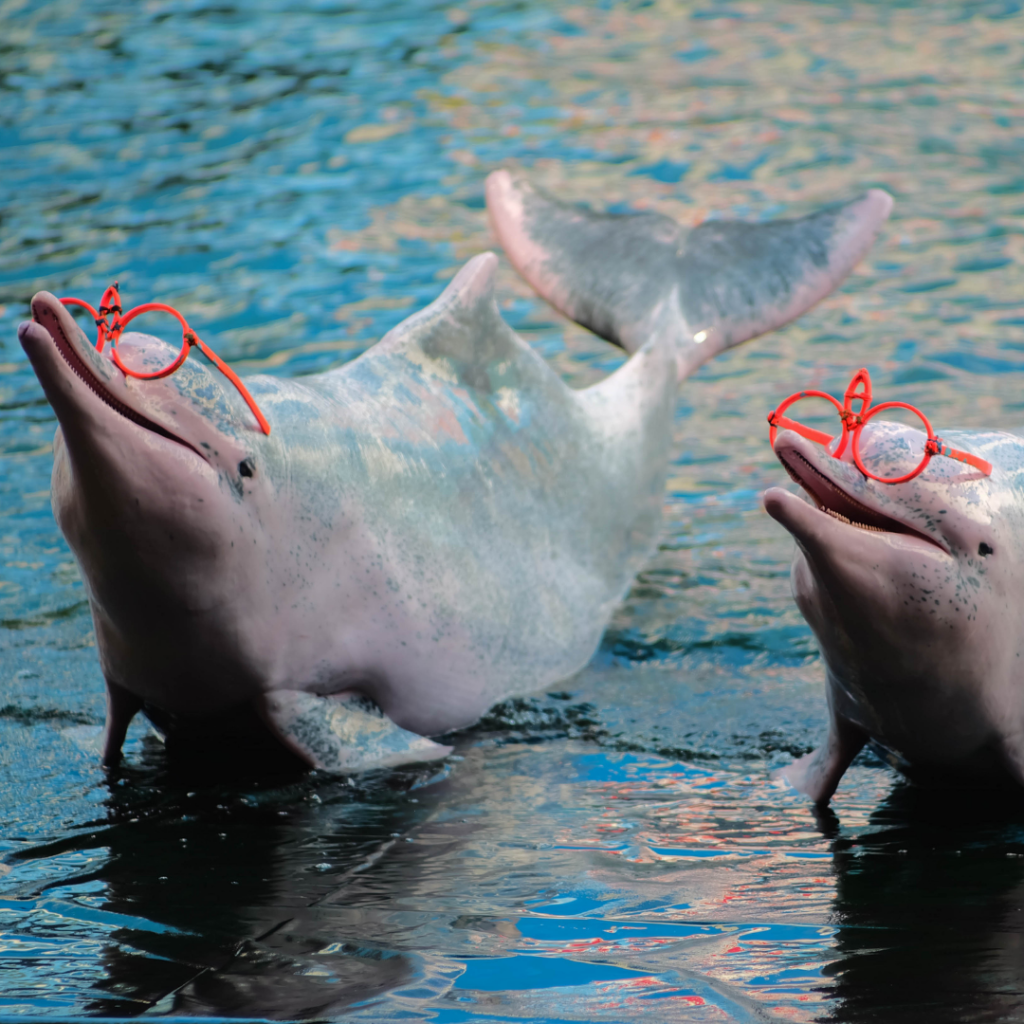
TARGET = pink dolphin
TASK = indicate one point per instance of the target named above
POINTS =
(436, 526)
(912, 591)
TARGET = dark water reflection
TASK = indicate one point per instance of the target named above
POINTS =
(941, 877)
(298, 178)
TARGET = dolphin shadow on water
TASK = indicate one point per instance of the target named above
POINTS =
(214, 889)
(249, 886)
(930, 910)
(434, 527)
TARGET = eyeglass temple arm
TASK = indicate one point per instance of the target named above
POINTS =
(234, 378)
(939, 447)
(785, 423)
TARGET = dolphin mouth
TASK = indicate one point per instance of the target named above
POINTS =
(79, 368)
(832, 500)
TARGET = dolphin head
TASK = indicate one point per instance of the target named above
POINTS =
(160, 487)
(913, 589)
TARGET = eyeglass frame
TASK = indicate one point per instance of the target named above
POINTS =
(853, 423)
(110, 304)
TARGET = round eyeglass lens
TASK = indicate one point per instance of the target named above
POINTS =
(890, 446)
(142, 348)
(813, 417)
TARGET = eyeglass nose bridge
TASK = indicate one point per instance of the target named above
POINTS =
(109, 304)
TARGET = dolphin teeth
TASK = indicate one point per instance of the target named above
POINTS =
(836, 515)
(850, 522)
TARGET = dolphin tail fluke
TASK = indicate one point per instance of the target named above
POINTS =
(718, 284)
(344, 736)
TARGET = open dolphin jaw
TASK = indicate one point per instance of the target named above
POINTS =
(71, 357)
(831, 499)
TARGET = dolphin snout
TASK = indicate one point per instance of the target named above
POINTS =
(31, 333)
(773, 500)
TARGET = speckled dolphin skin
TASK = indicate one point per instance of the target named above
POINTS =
(914, 598)
(431, 528)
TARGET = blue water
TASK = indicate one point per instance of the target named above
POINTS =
(300, 177)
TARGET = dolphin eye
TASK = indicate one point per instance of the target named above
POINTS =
(247, 467)
(985, 549)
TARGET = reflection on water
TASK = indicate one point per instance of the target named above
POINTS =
(941, 875)
(297, 178)
(540, 880)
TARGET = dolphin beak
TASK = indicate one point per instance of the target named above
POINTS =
(55, 345)
(810, 467)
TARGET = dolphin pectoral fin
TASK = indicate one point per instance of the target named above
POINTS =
(122, 706)
(817, 774)
(344, 736)
(723, 281)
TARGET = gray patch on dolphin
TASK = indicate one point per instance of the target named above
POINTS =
(913, 592)
(436, 526)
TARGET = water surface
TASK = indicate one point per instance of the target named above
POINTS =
(298, 177)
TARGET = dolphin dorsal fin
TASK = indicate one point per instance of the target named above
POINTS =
(462, 330)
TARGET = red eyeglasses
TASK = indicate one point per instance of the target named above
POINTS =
(110, 304)
(854, 422)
